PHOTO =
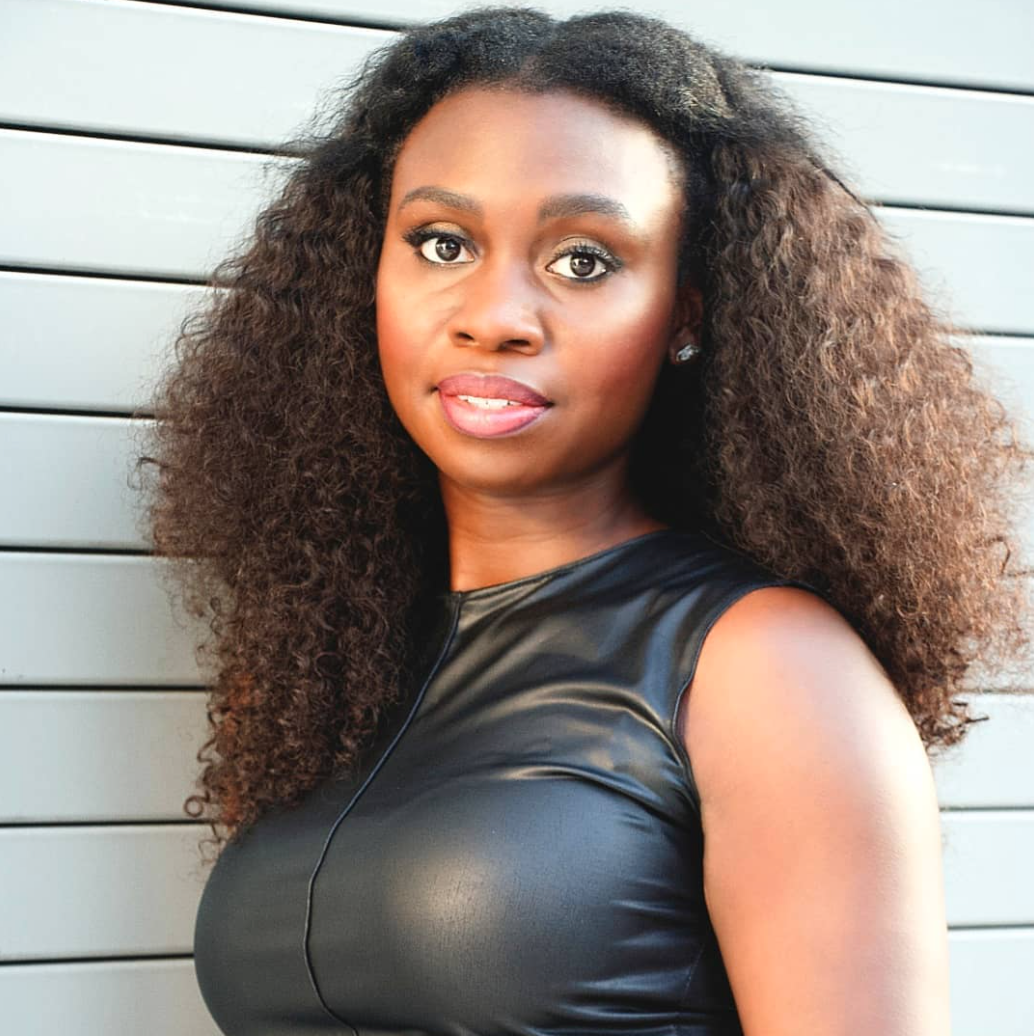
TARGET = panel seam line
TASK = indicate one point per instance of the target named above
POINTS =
(341, 816)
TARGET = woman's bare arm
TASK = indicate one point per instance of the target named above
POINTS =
(823, 868)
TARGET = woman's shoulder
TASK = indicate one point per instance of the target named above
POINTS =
(781, 650)
(816, 796)
(788, 700)
(693, 562)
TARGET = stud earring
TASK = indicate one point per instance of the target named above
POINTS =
(688, 352)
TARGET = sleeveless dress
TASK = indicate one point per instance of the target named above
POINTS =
(521, 850)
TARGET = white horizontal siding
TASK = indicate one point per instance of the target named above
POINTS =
(91, 620)
(99, 891)
(108, 206)
(86, 343)
(248, 81)
(68, 481)
(990, 982)
(158, 734)
(924, 145)
(980, 268)
(1006, 365)
(104, 998)
(991, 769)
(981, 843)
(908, 143)
(965, 43)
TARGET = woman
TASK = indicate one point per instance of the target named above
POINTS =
(563, 379)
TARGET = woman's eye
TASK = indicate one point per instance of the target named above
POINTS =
(584, 260)
(444, 247)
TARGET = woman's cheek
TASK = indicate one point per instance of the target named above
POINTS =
(392, 336)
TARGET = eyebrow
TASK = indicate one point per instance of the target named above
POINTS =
(556, 206)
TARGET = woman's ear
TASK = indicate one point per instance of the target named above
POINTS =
(687, 317)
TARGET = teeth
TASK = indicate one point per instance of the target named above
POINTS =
(488, 403)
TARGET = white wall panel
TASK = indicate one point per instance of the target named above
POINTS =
(987, 863)
(89, 343)
(992, 767)
(91, 620)
(67, 481)
(980, 269)
(924, 145)
(991, 991)
(109, 998)
(1007, 365)
(123, 208)
(101, 891)
(907, 143)
(124, 755)
(969, 44)
(249, 81)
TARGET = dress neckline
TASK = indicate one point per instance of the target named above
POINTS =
(479, 592)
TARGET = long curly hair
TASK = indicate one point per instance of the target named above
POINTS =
(831, 430)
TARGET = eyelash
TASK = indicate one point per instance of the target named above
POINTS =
(612, 264)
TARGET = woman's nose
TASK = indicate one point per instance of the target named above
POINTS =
(498, 308)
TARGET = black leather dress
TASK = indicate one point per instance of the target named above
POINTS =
(521, 851)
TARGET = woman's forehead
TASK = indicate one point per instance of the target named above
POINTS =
(491, 142)
(553, 120)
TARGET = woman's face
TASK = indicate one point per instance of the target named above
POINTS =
(533, 238)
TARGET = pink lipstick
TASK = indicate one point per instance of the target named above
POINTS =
(486, 405)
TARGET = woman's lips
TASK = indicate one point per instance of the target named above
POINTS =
(485, 405)
(491, 386)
